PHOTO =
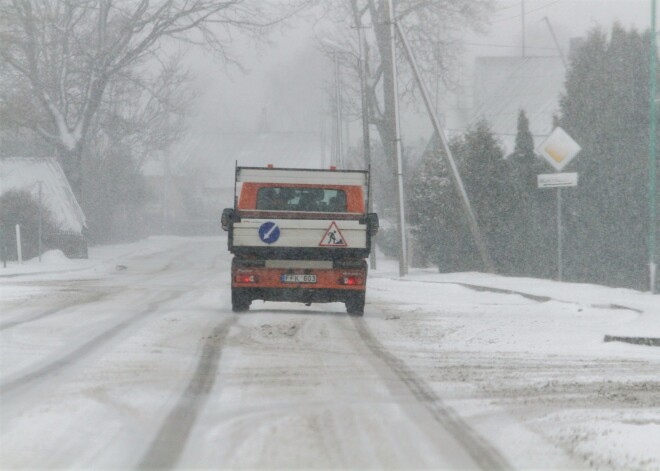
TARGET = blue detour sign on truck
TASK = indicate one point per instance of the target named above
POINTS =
(269, 232)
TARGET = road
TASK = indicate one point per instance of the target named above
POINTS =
(149, 368)
(145, 366)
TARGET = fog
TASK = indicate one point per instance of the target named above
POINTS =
(152, 133)
(235, 236)
(234, 100)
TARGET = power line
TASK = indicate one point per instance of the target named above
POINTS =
(510, 46)
(527, 12)
(508, 7)
(462, 130)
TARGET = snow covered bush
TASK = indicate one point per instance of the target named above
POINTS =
(20, 207)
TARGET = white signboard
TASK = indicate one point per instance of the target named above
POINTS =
(556, 180)
(558, 149)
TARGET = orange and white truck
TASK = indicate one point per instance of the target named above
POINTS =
(300, 235)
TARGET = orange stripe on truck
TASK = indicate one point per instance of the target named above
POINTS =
(248, 198)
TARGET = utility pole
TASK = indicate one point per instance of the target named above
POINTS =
(454, 174)
(40, 183)
(403, 254)
(339, 159)
(366, 141)
(522, 20)
(554, 38)
(652, 142)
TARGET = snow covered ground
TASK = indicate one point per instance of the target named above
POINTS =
(133, 358)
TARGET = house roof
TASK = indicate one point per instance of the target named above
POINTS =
(505, 85)
(25, 173)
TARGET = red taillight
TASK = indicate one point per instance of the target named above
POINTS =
(246, 279)
(350, 280)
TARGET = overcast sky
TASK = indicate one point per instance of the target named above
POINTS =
(287, 78)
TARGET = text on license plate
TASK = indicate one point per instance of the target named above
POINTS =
(298, 278)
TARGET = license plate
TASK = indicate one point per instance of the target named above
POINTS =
(298, 278)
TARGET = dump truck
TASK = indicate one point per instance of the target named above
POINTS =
(299, 235)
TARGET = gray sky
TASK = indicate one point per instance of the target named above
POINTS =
(287, 77)
(569, 18)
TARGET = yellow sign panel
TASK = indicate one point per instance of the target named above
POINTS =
(559, 149)
(555, 153)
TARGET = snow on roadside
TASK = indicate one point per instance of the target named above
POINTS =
(16, 279)
(101, 258)
(607, 439)
(536, 349)
(646, 322)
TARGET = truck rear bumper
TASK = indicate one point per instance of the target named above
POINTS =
(303, 295)
(338, 279)
(255, 280)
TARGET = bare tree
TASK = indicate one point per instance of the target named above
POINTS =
(432, 27)
(66, 58)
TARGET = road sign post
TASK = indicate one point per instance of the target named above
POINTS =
(558, 149)
(652, 143)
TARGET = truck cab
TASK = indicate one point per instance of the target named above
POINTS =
(300, 235)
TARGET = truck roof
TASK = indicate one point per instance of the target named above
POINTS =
(302, 176)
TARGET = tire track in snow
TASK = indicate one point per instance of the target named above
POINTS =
(165, 450)
(79, 302)
(90, 299)
(484, 454)
(87, 348)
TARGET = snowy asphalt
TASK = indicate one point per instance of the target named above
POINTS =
(147, 367)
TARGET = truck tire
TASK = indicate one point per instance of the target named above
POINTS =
(239, 301)
(355, 305)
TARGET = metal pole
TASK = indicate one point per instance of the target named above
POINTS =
(323, 143)
(522, 19)
(3, 248)
(339, 148)
(366, 141)
(403, 255)
(40, 219)
(560, 231)
(554, 38)
(652, 162)
(19, 245)
(166, 194)
(454, 174)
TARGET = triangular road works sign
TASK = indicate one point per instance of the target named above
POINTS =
(333, 237)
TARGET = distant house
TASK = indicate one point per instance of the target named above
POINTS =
(505, 85)
(28, 173)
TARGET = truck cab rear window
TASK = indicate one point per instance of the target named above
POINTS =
(324, 200)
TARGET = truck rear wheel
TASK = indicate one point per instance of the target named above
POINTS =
(355, 304)
(239, 301)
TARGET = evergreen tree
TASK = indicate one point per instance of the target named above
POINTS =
(487, 177)
(532, 236)
(524, 149)
(435, 215)
(605, 109)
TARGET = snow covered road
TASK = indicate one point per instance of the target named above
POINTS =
(147, 367)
